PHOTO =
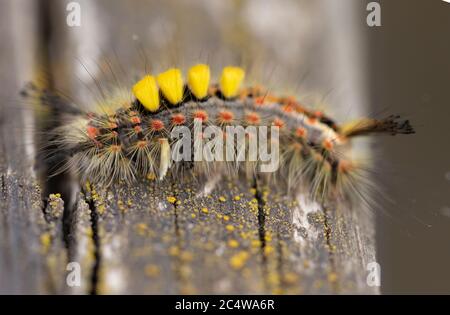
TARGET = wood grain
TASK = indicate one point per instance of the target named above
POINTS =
(179, 236)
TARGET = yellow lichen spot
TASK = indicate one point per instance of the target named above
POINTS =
(233, 243)
(198, 80)
(151, 270)
(230, 228)
(306, 264)
(151, 176)
(171, 199)
(268, 237)
(193, 215)
(237, 198)
(290, 278)
(174, 251)
(46, 240)
(101, 209)
(222, 199)
(238, 261)
(171, 85)
(205, 210)
(256, 243)
(146, 91)
(244, 235)
(231, 80)
(141, 228)
(268, 250)
(226, 218)
(186, 256)
(332, 277)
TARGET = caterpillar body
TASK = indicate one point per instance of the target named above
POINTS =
(131, 135)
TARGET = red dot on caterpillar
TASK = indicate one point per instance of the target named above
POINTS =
(327, 145)
(92, 132)
(178, 119)
(225, 116)
(201, 114)
(156, 125)
(135, 120)
(318, 114)
(142, 143)
(260, 100)
(301, 132)
(311, 120)
(288, 108)
(252, 118)
(278, 123)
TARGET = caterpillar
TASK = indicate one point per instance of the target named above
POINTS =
(129, 135)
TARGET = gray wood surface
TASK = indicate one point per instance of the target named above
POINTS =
(177, 236)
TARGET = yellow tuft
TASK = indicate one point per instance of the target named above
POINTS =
(198, 80)
(146, 91)
(231, 80)
(171, 85)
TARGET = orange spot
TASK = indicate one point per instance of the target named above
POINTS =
(287, 108)
(135, 120)
(318, 114)
(312, 120)
(317, 156)
(260, 100)
(141, 144)
(115, 148)
(344, 166)
(327, 144)
(226, 116)
(289, 100)
(299, 109)
(178, 119)
(92, 132)
(156, 125)
(301, 132)
(278, 123)
(201, 114)
(137, 129)
(252, 118)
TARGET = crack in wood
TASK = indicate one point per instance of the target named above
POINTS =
(328, 237)
(96, 240)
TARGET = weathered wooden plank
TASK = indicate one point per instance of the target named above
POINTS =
(32, 252)
(176, 236)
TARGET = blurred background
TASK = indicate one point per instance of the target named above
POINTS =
(322, 51)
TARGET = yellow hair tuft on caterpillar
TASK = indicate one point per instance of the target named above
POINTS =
(231, 80)
(171, 84)
(198, 80)
(146, 91)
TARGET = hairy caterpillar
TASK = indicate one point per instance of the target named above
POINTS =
(130, 135)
